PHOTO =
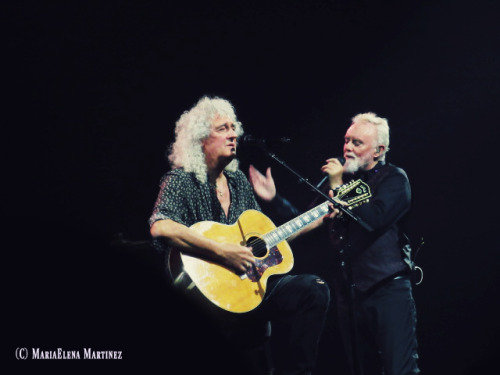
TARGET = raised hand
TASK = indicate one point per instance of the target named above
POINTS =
(262, 185)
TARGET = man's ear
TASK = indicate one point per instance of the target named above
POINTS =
(379, 150)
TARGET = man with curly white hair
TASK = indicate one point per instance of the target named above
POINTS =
(205, 184)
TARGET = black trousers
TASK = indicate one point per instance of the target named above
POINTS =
(384, 329)
(301, 300)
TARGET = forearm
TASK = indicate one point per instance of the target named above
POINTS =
(280, 209)
(234, 256)
(185, 239)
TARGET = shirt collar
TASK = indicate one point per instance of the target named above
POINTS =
(364, 175)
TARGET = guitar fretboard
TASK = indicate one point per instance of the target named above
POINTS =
(293, 226)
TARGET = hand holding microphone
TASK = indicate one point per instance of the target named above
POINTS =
(333, 170)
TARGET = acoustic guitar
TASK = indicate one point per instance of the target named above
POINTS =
(273, 255)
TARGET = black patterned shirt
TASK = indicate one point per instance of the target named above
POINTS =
(185, 200)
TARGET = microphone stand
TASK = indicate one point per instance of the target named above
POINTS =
(336, 204)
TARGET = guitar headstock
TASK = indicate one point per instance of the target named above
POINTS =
(354, 193)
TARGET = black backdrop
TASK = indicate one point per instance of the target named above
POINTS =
(92, 92)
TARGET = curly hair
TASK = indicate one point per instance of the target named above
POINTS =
(192, 128)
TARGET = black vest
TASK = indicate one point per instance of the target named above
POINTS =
(366, 258)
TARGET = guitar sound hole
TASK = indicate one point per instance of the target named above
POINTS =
(258, 245)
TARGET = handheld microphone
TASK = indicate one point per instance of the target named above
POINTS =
(341, 159)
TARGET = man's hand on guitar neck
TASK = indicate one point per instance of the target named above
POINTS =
(318, 223)
(334, 211)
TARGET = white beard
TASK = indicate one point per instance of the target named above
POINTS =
(356, 164)
(351, 166)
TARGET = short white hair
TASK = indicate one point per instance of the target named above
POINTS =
(381, 125)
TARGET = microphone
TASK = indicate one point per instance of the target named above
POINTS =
(252, 140)
(341, 159)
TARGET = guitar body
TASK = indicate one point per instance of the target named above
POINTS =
(226, 289)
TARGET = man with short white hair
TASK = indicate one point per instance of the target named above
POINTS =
(371, 270)
(372, 284)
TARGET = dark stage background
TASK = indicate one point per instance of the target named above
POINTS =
(92, 91)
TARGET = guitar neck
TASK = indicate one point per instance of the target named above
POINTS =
(293, 226)
(353, 193)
